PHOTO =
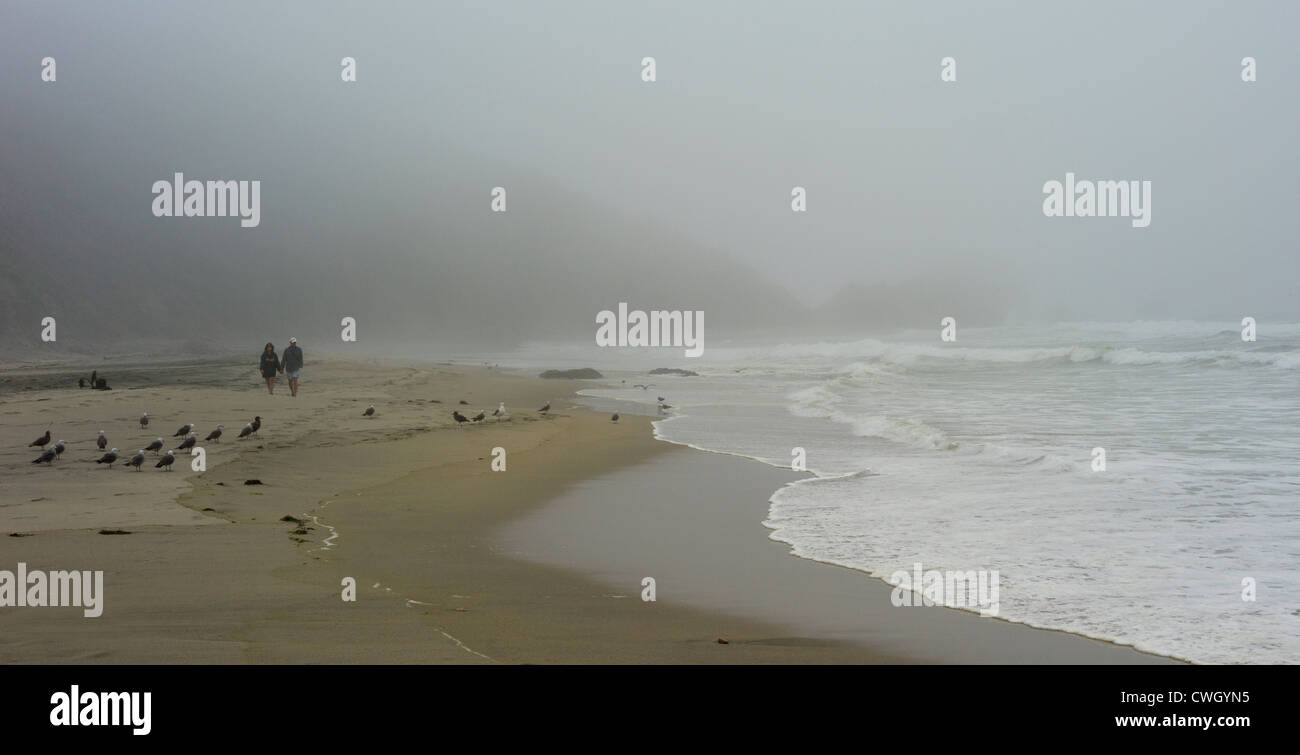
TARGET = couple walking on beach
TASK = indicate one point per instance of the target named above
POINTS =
(291, 365)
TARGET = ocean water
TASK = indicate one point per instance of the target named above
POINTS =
(979, 455)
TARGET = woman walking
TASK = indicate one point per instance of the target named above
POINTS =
(270, 365)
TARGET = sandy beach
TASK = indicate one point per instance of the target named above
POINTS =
(453, 562)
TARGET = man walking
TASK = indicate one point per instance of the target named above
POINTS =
(291, 362)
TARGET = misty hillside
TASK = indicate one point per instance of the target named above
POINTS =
(450, 272)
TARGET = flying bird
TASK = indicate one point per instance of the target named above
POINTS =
(108, 458)
(184, 430)
(156, 446)
(188, 443)
(546, 408)
(460, 418)
(166, 461)
(369, 412)
(41, 441)
(137, 460)
(479, 417)
(144, 420)
(47, 456)
(215, 434)
(101, 441)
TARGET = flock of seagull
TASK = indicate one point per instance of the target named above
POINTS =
(499, 412)
(190, 438)
(165, 460)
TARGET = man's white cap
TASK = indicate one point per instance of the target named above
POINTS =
(293, 340)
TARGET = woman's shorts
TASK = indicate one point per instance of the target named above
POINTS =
(292, 374)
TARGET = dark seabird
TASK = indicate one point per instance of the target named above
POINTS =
(546, 408)
(156, 446)
(661, 398)
(215, 434)
(664, 407)
(101, 441)
(47, 456)
(247, 431)
(108, 458)
(460, 418)
(369, 412)
(41, 441)
(463, 402)
(166, 461)
(257, 424)
(188, 443)
(59, 448)
(144, 420)
(479, 417)
(614, 418)
(137, 460)
(184, 430)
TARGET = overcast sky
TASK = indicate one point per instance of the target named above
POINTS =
(905, 174)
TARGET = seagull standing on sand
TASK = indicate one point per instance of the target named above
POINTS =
(479, 417)
(144, 420)
(215, 434)
(183, 431)
(188, 443)
(614, 418)
(166, 461)
(41, 441)
(59, 448)
(101, 441)
(500, 411)
(257, 424)
(156, 446)
(545, 409)
(47, 456)
(369, 412)
(137, 460)
(247, 431)
(108, 458)
(460, 418)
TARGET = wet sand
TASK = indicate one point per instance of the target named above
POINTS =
(692, 520)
